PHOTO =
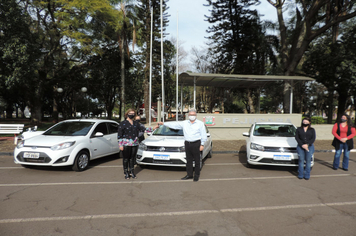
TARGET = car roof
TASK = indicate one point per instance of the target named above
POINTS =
(273, 123)
(88, 120)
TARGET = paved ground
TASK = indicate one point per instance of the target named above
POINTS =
(229, 199)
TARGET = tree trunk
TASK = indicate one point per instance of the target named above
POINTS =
(341, 104)
(331, 105)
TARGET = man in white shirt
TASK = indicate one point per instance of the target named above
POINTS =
(195, 137)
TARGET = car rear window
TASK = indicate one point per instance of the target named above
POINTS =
(75, 128)
(274, 130)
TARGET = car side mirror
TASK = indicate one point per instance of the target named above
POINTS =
(208, 134)
(149, 134)
(246, 134)
(98, 134)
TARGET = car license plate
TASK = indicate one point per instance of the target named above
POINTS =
(31, 155)
(161, 157)
(282, 157)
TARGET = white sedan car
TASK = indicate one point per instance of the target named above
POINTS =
(69, 143)
(165, 147)
(272, 143)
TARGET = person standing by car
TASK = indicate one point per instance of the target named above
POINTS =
(195, 137)
(128, 133)
(305, 137)
(343, 132)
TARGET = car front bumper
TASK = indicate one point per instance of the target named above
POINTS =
(274, 158)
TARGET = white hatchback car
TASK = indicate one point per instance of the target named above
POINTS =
(272, 143)
(165, 147)
(69, 143)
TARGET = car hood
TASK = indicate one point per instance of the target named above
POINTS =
(275, 141)
(49, 140)
(157, 140)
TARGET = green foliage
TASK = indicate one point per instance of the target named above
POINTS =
(316, 120)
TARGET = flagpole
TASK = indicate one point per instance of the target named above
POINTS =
(163, 103)
(150, 99)
(177, 71)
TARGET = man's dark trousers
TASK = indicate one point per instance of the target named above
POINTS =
(192, 152)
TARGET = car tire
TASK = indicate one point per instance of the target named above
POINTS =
(210, 154)
(28, 166)
(248, 165)
(142, 166)
(81, 161)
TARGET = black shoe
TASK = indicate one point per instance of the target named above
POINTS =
(196, 178)
(132, 173)
(345, 169)
(127, 176)
(334, 168)
(306, 178)
(187, 177)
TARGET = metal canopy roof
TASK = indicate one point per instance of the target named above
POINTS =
(232, 80)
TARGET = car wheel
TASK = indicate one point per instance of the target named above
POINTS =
(248, 165)
(27, 166)
(142, 166)
(81, 161)
(210, 154)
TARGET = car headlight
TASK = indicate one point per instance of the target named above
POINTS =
(20, 144)
(142, 147)
(181, 149)
(62, 146)
(258, 147)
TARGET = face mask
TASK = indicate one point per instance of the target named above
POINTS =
(343, 120)
(131, 116)
(192, 118)
(305, 125)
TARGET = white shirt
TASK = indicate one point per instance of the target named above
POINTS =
(192, 131)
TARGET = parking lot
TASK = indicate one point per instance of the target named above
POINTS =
(229, 199)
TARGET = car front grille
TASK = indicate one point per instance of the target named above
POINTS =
(162, 149)
(271, 161)
(281, 149)
(172, 162)
(44, 158)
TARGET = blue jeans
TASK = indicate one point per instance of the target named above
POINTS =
(345, 160)
(306, 156)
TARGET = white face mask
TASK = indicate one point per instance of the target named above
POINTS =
(192, 118)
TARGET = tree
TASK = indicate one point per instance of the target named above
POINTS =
(312, 19)
(238, 44)
(144, 13)
(337, 68)
(18, 55)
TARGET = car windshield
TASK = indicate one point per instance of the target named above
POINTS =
(73, 128)
(276, 130)
(164, 130)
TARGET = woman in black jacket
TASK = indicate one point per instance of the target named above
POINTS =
(305, 137)
(128, 137)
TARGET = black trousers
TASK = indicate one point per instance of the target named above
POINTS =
(129, 155)
(192, 152)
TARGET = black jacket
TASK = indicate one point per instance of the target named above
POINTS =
(305, 137)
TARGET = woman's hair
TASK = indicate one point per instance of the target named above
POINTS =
(349, 123)
(306, 118)
(129, 110)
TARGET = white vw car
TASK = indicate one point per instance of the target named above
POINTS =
(69, 143)
(272, 143)
(165, 147)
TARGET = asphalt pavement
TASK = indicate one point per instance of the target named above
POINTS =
(229, 199)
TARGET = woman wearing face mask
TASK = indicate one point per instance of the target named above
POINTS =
(343, 132)
(305, 137)
(128, 133)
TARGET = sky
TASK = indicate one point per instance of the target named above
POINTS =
(191, 25)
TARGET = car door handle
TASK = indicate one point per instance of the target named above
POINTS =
(108, 139)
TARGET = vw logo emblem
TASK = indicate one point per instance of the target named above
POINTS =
(161, 149)
(281, 149)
